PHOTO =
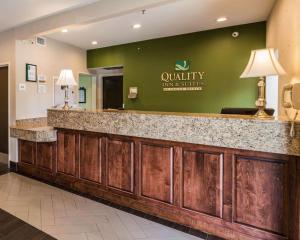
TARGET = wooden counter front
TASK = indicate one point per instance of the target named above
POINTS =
(230, 193)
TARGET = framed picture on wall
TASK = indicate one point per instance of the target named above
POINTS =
(31, 73)
(82, 95)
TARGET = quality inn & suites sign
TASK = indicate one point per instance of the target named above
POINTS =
(182, 79)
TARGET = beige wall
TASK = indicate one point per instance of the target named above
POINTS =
(283, 33)
(49, 60)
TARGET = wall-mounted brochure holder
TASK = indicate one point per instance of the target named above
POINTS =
(133, 92)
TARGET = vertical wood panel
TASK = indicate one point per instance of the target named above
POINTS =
(178, 176)
(27, 152)
(260, 194)
(120, 164)
(202, 182)
(157, 165)
(294, 194)
(90, 158)
(227, 186)
(46, 154)
(66, 157)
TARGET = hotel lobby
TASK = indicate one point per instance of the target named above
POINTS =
(150, 120)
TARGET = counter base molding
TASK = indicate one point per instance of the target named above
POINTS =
(234, 194)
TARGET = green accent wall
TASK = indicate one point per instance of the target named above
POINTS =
(222, 58)
(86, 82)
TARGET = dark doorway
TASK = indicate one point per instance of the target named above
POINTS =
(4, 110)
(113, 92)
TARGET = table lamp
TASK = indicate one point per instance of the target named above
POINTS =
(66, 79)
(262, 63)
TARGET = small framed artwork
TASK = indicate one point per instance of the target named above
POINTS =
(82, 95)
(31, 72)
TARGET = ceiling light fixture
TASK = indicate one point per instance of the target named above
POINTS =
(222, 19)
(94, 42)
(137, 26)
(64, 30)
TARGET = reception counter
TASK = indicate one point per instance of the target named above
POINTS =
(230, 131)
(232, 176)
(34, 130)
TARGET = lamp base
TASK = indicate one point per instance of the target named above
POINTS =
(66, 106)
(261, 101)
(261, 114)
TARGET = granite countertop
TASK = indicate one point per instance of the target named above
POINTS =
(280, 120)
(183, 114)
(230, 131)
(34, 130)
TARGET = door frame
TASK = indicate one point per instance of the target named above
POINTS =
(7, 64)
(101, 72)
(111, 75)
(94, 87)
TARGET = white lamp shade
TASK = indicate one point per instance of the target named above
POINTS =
(66, 78)
(263, 63)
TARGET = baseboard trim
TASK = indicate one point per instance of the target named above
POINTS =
(13, 166)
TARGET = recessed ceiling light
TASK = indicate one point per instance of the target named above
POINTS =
(64, 30)
(137, 26)
(94, 42)
(222, 19)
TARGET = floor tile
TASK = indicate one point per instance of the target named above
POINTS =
(65, 215)
(81, 236)
(94, 236)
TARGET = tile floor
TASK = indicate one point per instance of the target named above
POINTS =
(65, 216)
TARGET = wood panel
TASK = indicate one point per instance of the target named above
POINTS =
(120, 164)
(46, 156)
(157, 163)
(294, 200)
(66, 153)
(90, 158)
(202, 182)
(261, 194)
(227, 185)
(27, 152)
(181, 182)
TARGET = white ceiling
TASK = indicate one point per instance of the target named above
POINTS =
(174, 18)
(18, 12)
